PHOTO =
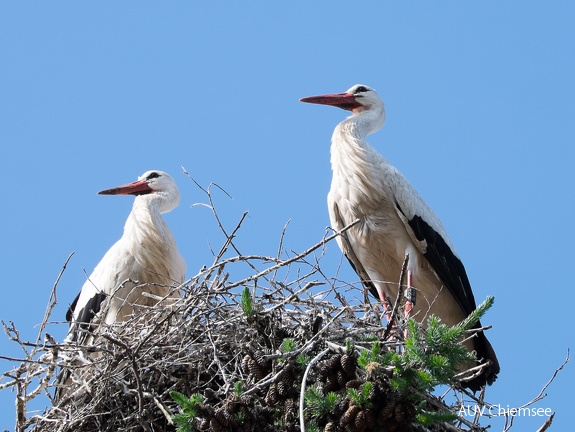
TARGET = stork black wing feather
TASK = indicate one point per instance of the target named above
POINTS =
(72, 308)
(351, 257)
(451, 271)
(364, 278)
(87, 313)
(448, 267)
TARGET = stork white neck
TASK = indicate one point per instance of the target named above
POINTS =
(158, 201)
(349, 136)
(147, 214)
(150, 239)
(364, 121)
(354, 161)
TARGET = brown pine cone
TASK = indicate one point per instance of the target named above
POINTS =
(261, 361)
(215, 426)
(283, 388)
(256, 369)
(331, 383)
(360, 421)
(347, 364)
(410, 410)
(272, 396)
(323, 369)
(355, 384)
(342, 378)
(204, 424)
(348, 417)
(400, 413)
(289, 377)
(221, 417)
(330, 427)
(334, 361)
(370, 418)
(388, 410)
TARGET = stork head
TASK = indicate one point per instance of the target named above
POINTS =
(361, 100)
(152, 186)
(357, 99)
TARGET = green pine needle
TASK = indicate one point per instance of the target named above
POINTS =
(288, 345)
(361, 397)
(188, 408)
(429, 418)
(469, 322)
(247, 302)
(302, 360)
(318, 404)
(182, 422)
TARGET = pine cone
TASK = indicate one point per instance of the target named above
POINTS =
(272, 396)
(334, 361)
(215, 426)
(400, 413)
(355, 384)
(331, 383)
(388, 410)
(370, 418)
(267, 414)
(342, 378)
(248, 400)
(289, 377)
(410, 410)
(256, 369)
(360, 421)
(261, 361)
(330, 427)
(233, 405)
(324, 369)
(282, 388)
(222, 418)
(348, 364)
(204, 424)
(349, 416)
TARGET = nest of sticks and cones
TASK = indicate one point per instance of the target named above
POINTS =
(231, 355)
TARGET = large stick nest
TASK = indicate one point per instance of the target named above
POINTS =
(206, 343)
(248, 367)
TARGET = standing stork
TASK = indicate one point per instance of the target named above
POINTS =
(140, 268)
(394, 221)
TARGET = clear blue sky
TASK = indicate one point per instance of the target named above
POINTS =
(480, 117)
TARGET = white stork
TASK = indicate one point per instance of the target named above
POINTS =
(141, 267)
(394, 221)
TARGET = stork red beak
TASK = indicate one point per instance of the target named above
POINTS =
(136, 188)
(344, 101)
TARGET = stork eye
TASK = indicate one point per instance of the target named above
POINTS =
(152, 176)
(360, 89)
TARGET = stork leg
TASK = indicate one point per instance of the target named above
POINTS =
(409, 300)
(409, 296)
(386, 305)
